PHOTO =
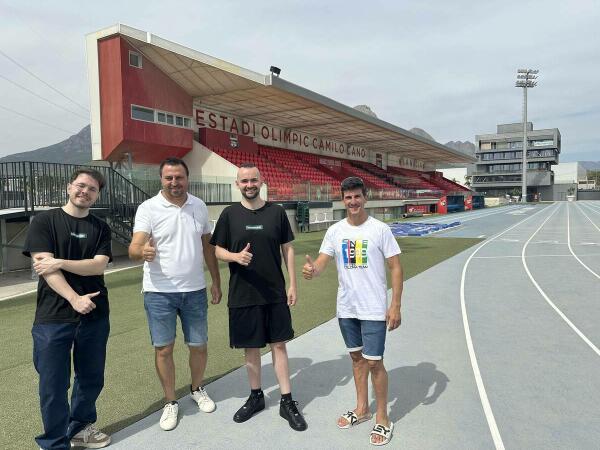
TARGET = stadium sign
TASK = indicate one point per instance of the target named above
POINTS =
(278, 137)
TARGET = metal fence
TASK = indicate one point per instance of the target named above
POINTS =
(31, 185)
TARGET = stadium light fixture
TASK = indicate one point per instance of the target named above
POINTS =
(275, 70)
(526, 78)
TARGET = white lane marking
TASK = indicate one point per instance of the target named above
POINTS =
(589, 243)
(531, 256)
(482, 236)
(485, 403)
(591, 207)
(510, 240)
(558, 311)
(569, 243)
(545, 242)
(587, 217)
(468, 216)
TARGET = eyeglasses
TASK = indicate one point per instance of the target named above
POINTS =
(83, 187)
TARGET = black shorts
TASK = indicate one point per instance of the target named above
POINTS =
(257, 326)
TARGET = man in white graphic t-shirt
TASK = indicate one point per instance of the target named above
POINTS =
(361, 246)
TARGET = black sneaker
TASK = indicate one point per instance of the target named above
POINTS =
(254, 404)
(289, 411)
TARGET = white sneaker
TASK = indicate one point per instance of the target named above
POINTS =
(201, 397)
(90, 437)
(168, 420)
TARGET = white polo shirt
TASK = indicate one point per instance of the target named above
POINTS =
(177, 233)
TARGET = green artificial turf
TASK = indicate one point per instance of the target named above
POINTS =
(132, 389)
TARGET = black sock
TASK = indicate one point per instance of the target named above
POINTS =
(256, 392)
(172, 402)
(286, 397)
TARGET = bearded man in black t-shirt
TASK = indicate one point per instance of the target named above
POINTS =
(252, 236)
(70, 249)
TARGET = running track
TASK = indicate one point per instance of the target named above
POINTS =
(498, 349)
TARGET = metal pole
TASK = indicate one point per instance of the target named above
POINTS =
(524, 168)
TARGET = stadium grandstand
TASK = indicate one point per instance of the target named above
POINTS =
(152, 98)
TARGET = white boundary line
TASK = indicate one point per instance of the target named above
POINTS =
(569, 243)
(592, 206)
(532, 256)
(558, 311)
(35, 290)
(591, 221)
(479, 215)
(485, 403)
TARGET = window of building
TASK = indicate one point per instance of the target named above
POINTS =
(135, 59)
(140, 113)
(485, 145)
(161, 117)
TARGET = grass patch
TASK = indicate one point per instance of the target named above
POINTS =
(132, 390)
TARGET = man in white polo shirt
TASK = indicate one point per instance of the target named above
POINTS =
(172, 235)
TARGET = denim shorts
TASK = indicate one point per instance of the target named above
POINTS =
(365, 335)
(162, 309)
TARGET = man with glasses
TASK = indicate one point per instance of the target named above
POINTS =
(361, 246)
(171, 235)
(70, 249)
(252, 236)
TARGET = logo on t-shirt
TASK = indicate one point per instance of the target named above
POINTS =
(254, 227)
(355, 253)
(79, 235)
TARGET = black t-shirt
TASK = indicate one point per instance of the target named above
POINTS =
(261, 282)
(73, 238)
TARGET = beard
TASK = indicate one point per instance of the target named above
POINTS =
(250, 195)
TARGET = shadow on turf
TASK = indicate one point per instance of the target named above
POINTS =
(409, 387)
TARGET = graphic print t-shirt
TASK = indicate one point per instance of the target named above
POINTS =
(360, 253)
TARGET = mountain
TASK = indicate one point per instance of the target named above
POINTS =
(75, 150)
(590, 165)
(465, 147)
(422, 133)
(366, 109)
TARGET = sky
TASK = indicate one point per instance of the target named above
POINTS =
(448, 67)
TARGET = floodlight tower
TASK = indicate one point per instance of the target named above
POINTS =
(526, 78)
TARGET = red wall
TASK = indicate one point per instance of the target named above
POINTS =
(442, 205)
(111, 99)
(220, 139)
(468, 202)
(122, 85)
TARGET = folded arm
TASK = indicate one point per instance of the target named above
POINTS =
(57, 282)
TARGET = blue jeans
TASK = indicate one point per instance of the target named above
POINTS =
(162, 309)
(366, 335)
(53, 344)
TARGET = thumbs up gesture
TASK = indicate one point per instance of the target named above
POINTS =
(308, 270)
(149, 250)
(244, 257)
